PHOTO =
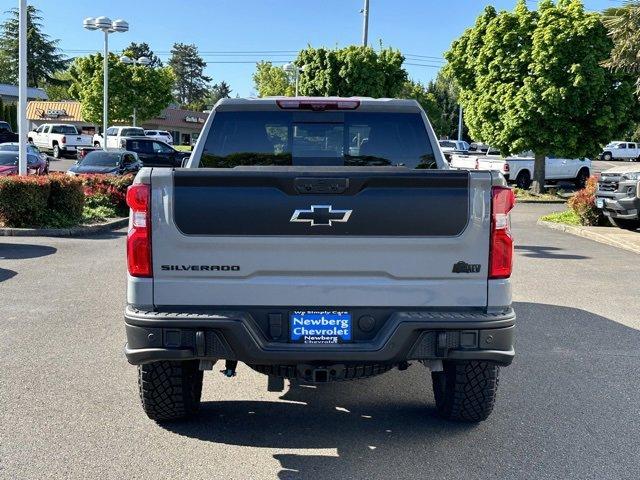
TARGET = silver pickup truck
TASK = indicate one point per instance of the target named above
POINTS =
(319, 240)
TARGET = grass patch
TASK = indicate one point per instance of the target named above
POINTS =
(568, 217)
(182, 148)
(98, 214)
(551, 196)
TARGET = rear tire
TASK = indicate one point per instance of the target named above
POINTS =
(581, 178)
(606, 156)
(625, 223)
(170, 390)
(466, 391)
(523, 180)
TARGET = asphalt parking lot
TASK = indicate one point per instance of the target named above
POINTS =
(567, 408)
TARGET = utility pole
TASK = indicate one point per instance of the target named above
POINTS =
(460, 124)
(365, 24)
(22, 88)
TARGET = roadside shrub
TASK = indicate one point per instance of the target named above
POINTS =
(98, 213)
(66, 199)
(23, 201)
(108, 186)
(583, 203)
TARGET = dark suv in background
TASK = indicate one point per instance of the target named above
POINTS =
(154, 153)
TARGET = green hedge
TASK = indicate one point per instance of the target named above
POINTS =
(59, 201)
(40, 201)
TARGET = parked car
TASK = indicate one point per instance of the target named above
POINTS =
(618, 196)
(6, 133)
(621, 150)
(37, 162)
(154, 153)
(59, 138)
(161, 135)
(453, 145)
(518, 169)
(449, 147)
(117, 135)
(112, 162)
(83, 151)
(318, 259)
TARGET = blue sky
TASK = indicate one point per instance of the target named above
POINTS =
(239, 31)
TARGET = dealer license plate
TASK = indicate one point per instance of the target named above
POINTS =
(320, 327)
(600, 202)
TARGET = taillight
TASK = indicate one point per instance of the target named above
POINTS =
(505, 167)
(63, 140)
(318, 105)
(477, 164)
(501, 249)
(139, 236)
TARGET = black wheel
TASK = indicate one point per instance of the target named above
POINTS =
(607, 156)
(625, 223)
(170, 390)
(56, 151)
(581, 179)
(466, 391)
(523, 180)
(96, 144)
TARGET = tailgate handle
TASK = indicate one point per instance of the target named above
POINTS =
(321, 185)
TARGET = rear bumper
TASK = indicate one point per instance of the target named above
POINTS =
(406, 335)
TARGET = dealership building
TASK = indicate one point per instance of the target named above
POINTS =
(184, 125)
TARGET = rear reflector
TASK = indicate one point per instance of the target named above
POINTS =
(139, 236)
(501, 251)
(318, 105)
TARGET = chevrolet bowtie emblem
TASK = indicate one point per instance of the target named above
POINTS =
(321, 215)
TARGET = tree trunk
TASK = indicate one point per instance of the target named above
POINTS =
(539, 173)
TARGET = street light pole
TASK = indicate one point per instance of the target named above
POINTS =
(105, 90)
(460, 124)
(365, 24)
(22, 88)
(107, 26)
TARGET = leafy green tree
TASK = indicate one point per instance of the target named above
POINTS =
(271, 80)
(534, 80)
(346, 72)
(43, 55)
(191, 84)
(445, 91)
(427, 100)
(146, 89)
(137, 50)
(351, 71)
(218, 91)
(59, 90)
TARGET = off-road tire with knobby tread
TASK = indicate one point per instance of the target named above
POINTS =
(466, 391)
(170, 390)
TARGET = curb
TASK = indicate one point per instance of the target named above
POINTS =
(591, 235)
(79, 231)
(542, 202)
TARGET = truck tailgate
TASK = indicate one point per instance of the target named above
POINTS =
(320, 237)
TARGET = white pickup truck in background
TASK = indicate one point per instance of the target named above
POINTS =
(117, 136)
(518, 169)
(60, 139)
(620, 150)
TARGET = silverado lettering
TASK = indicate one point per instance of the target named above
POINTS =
(201, 268)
